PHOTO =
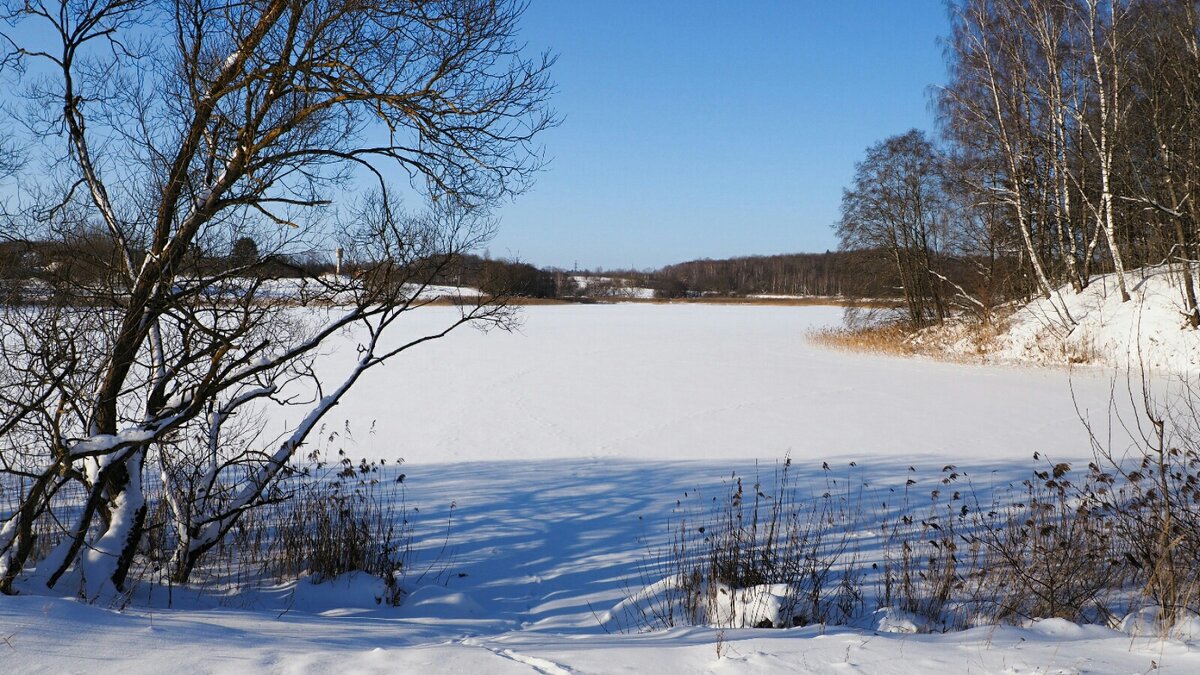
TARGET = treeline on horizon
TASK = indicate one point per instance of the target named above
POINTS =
(832, 273)
(857, 274)
(80, 260)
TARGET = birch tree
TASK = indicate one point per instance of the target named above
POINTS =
(1104, 24)
(990, 103)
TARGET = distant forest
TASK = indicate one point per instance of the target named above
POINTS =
(849, 273)
(73, 261)
(858, 273)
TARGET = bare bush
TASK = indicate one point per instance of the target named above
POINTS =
(321, 519)
(1151, 469)
(759, 555)
(1053, 552)
(1076, 545)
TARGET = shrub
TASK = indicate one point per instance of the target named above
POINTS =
(1080, 546)
(755, 556)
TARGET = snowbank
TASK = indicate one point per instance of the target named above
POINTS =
(1152, 327)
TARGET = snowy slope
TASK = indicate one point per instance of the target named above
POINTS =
(1151, 325)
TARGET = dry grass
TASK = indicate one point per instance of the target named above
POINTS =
(958, 340)
(888, 338)
(946, 554)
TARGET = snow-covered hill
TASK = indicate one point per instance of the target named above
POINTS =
(1094, 327)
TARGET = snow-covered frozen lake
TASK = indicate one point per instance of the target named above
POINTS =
(556, 454)
(701, 382)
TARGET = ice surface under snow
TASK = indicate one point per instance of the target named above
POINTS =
(557, 452)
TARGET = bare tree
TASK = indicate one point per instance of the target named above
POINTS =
(1164, 160)
(172, 130)
(897, 207)
(1105, 26)
(990, 104)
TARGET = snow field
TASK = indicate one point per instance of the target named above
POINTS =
(699, 382)
(545, 465)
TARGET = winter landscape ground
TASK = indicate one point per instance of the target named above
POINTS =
(223, 225)
(556, 454)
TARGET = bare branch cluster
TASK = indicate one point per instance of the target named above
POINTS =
(197, 154)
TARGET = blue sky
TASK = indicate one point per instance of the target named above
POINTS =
(698, 128)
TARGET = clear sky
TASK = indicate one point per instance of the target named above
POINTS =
(707, 128)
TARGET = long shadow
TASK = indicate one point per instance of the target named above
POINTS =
(552, 544)
(540, 546)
